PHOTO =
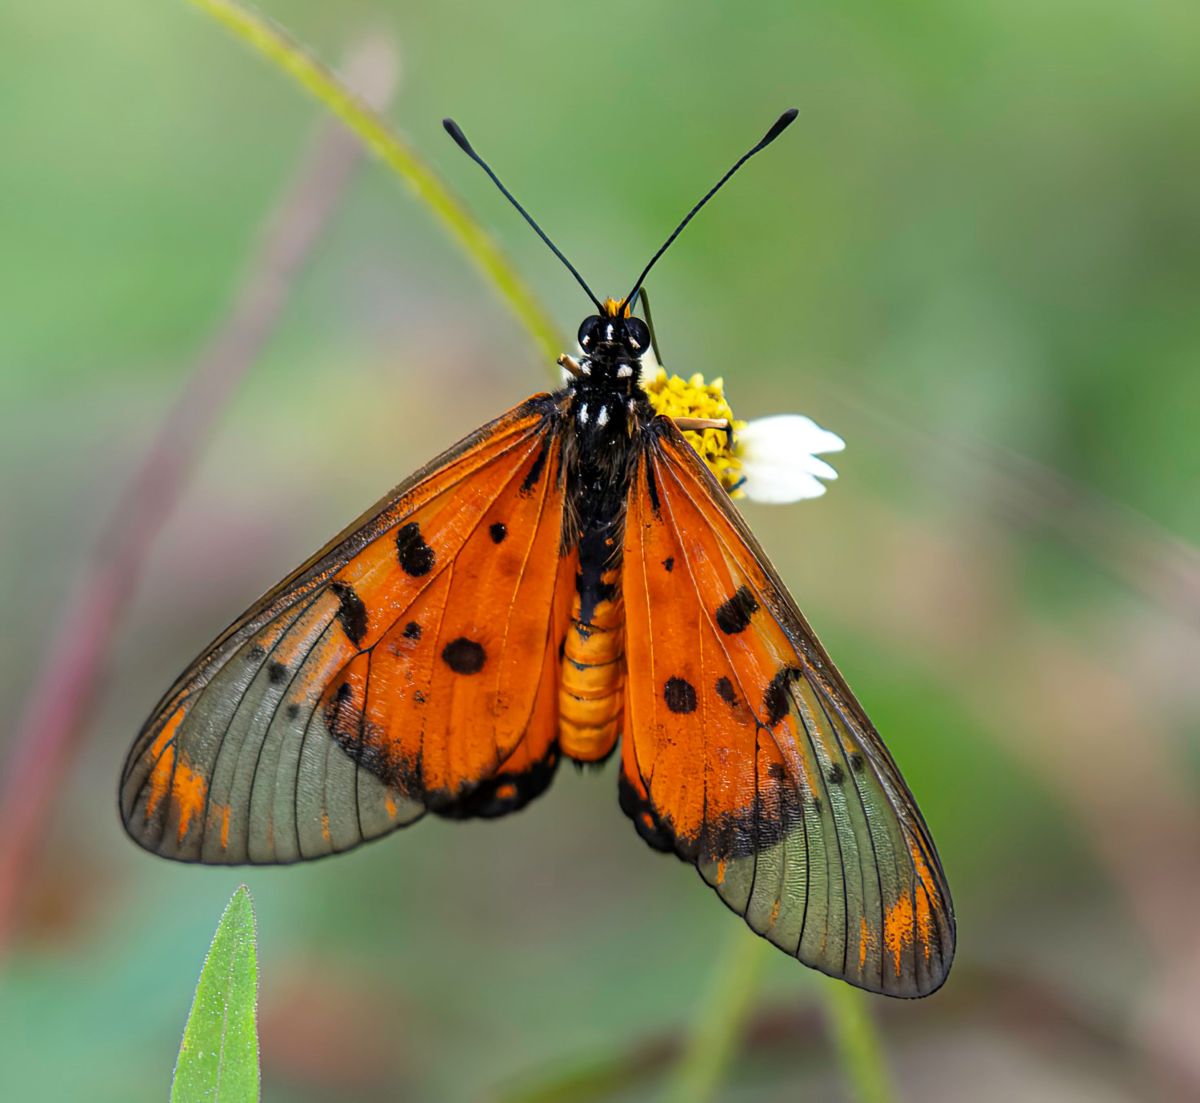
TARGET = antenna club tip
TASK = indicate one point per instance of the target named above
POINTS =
(781, 124)
(455, 131)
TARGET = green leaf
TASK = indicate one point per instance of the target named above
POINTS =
(218, 1060)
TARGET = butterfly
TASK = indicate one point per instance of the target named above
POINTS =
(569, 581)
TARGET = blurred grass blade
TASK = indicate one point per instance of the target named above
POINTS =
(218, 1060)
(275, 45)
(856, 1041)
(720, 1020)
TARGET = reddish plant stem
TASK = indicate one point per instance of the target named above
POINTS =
(56, 710)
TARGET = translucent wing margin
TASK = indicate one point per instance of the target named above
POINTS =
(746, 753)
(336, 709)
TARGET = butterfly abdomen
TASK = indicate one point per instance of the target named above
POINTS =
(591, 689)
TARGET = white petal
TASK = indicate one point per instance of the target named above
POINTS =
(819, 468)
(773, 484)
(778, 461)
(790, 434)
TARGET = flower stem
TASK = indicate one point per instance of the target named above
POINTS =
(856, 1040)
(726, 1007)
(720, 1020)
(277, 47)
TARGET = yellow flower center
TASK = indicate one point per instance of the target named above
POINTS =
(674, 396)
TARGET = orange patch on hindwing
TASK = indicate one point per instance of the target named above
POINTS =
(220, 814)
(898, 929)
(162, 754)
(924, 893)
(188, 791)
(174, 773)
(865, 941)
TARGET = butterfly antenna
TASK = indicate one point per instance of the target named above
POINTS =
(455, 132)
(778, 127)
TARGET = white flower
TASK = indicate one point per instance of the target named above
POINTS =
(779, 458)
(772, 459)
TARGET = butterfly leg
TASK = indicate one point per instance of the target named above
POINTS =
(698, 423)
(571, 364)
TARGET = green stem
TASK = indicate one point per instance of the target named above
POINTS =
(857, 1043)
(720, 1021)
(278, 48)
(726, 1007)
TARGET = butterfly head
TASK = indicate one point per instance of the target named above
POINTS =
(614, 335)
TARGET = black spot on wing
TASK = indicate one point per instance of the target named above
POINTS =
(648, 825)
(776, 698)
(652, 488)
(293, 710)
(352, 612)
(412, 630)
(342, 716)
(276, 672)
(726, 692)
(856, 761)
(776, 813)
(836, 774)
(464, 656)
(498, 531)
(416, 557)
(499, 795)
(256, 654)
(734, 615)
(669, 564)
(680, 695)
(535, 470)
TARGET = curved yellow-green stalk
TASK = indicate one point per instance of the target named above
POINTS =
(280, 49)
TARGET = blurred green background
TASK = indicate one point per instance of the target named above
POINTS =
(975, 257)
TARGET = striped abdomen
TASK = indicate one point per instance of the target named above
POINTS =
(591, 689)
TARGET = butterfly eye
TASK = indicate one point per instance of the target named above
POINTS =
(590, 333)
(637, 335)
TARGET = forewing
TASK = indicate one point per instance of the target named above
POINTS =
(408, 666)
(746, 753)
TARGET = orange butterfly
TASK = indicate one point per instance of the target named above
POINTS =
(566, 575)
